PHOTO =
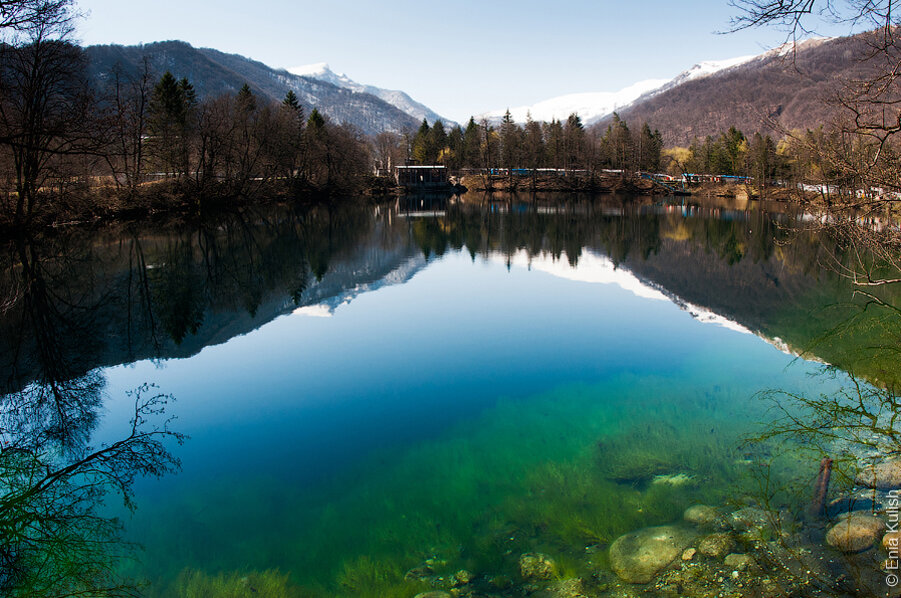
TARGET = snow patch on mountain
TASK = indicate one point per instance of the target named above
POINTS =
(589, 106)
(595, 106)
(321, 72)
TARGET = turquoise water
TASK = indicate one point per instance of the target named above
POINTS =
(371, 390)
(481, 409)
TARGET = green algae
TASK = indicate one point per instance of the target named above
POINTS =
(543, 474)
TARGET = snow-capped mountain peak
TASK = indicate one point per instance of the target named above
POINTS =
(595, 106)
(321, 72)
(589, 106)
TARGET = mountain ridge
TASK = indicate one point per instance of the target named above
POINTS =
(395, 97)
(213, 72)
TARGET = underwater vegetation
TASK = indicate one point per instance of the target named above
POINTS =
(263, 584)
(563, 475)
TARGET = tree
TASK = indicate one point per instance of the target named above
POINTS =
(533, 144)
(289, 151)
(472, 143)
(23, 17)
(573, 142)
(437, 143)
(870, 106)
(423, 149)
(511, 146)
(171, 111)
(618, 141)
(45, 106)
(127, 125)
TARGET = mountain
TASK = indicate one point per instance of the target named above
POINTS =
(783, 87)
(213, 72)
(321, 72)
(786, 88)
(591, 106)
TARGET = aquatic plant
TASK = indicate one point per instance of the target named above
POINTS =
(235, 584)
(365, 577)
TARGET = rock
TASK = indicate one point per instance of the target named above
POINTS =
(702, 515)
(636, 557)
(885, 475)
(741, 562)
(419, 573)
(535, 566)
(433, 594)
(569, 588)
(892, 541)
(461, 578)
(749, 518)
(855, 533)
(716, 545)
(689, 554)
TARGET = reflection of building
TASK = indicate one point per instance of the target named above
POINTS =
(421, 176)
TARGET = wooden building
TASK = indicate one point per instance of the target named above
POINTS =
(421, 176)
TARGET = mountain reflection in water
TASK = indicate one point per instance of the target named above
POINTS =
(454, 342)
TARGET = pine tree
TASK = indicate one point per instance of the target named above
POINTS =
(291, 100)
(471, 144)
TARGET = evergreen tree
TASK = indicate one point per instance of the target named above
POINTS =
(170, 107)
(574, 142)
(472, 143)
(533, 144)
(437, 143)
(291, 100)
(554, 144)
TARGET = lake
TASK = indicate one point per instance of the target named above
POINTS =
(384, 400)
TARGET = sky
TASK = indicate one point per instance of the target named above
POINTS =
(459, 58)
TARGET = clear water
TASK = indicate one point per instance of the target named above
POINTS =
(466, 404)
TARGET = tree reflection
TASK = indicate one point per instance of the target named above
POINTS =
(854, 431)
(54, 539)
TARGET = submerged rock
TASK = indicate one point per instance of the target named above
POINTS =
(419, 573)
(433, 594)
(569, 588)
(884, 476)
(716, 545)
(535, 566)
(741, 562)
(636, 557)
(689, 554)
(892, 541)
(855, 533)
(461, 578)
(749, 518)
(673, 479)
(702, 516)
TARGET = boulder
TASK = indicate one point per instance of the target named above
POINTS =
(855, 533)
(892, 541)
(535, 566)
(702, 516)
(716, 545)
(636, 557)
(433, 594)
(885, 475)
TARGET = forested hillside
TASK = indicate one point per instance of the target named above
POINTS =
(779, 91)
(213, 73)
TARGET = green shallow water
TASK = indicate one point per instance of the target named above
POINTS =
(368, 393)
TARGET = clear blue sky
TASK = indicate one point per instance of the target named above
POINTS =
(459, 58)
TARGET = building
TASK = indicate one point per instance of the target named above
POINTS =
(421, 176)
